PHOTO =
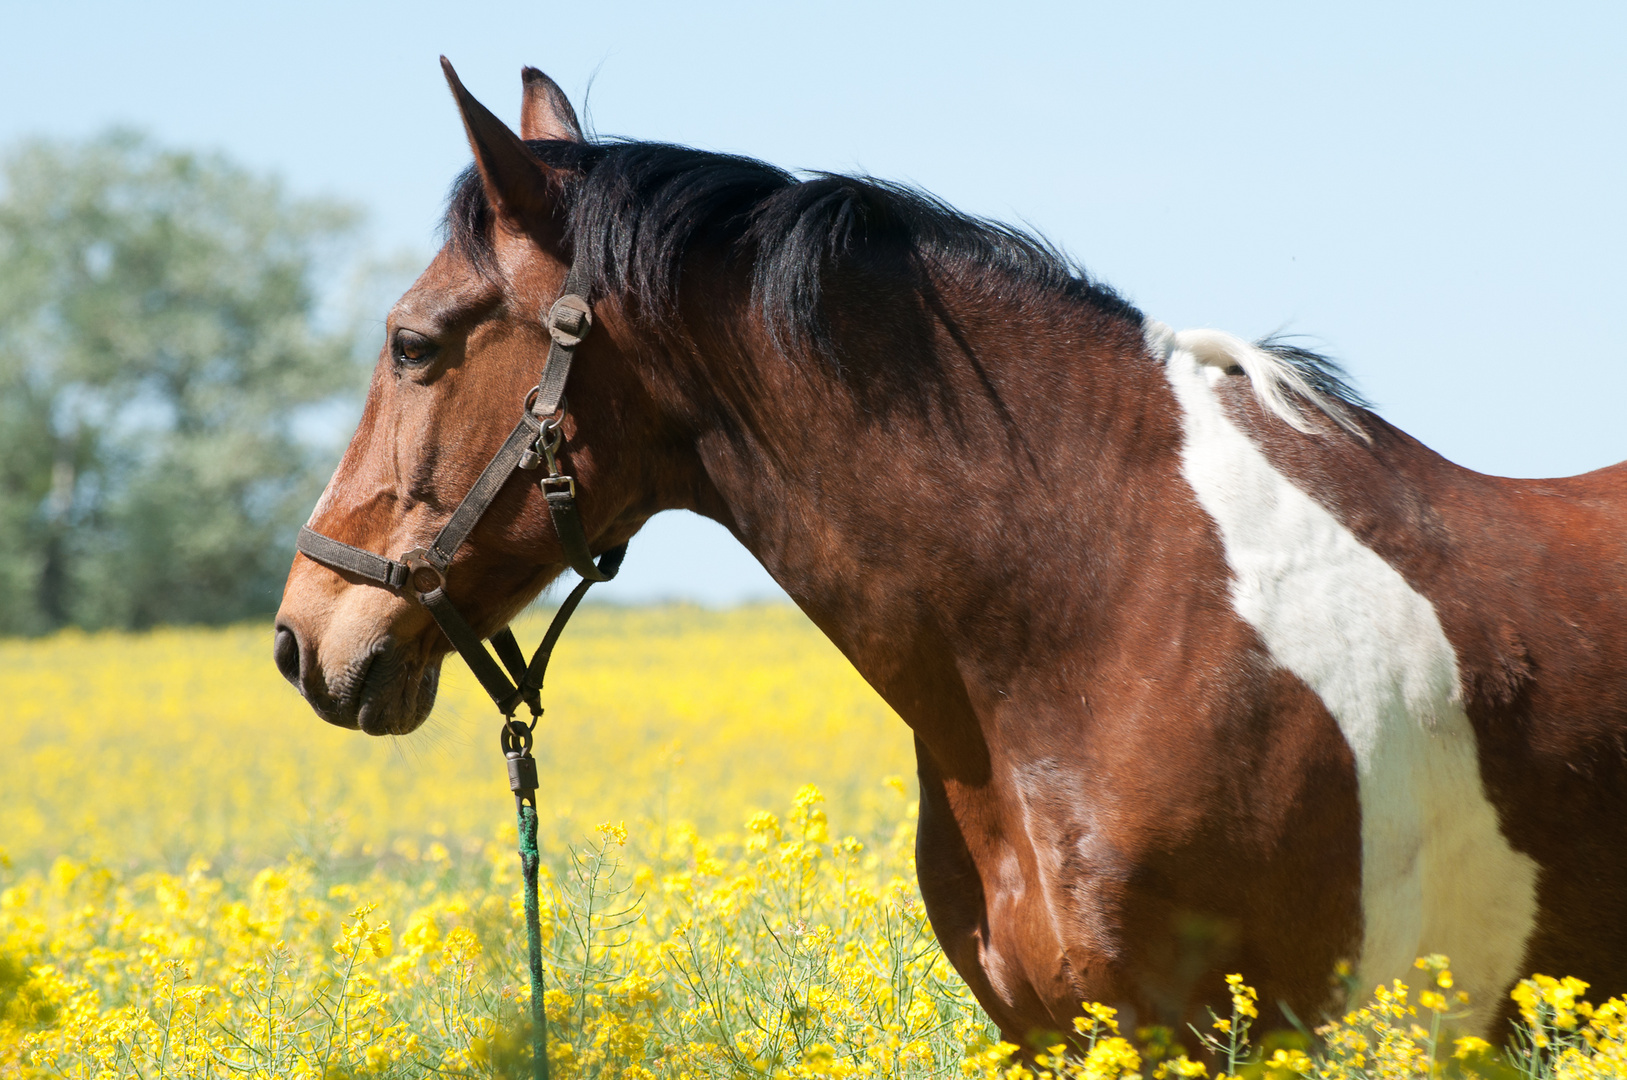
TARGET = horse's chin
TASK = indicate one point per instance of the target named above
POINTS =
(395, 699)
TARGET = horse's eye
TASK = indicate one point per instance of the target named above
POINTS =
(411, 348)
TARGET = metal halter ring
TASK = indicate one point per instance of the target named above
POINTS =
(424, 575)
(555, 417)
(516, 736)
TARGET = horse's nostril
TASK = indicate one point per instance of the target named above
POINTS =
(286, 652)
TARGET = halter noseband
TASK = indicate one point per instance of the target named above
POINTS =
(533, 442)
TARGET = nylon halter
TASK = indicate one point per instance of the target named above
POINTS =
(533, 442)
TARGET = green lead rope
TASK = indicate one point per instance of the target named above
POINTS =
(533, 936)
(522, 781)
(516, 738)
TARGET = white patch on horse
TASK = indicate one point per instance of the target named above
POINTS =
(1438, 876)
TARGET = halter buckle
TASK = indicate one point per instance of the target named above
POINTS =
(424, 572)
(559, 483)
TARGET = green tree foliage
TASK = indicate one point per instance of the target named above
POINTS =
(159, 347)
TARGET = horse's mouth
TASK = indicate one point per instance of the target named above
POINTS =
(395, 700)
(382, 693)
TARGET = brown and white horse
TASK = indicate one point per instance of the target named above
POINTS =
(1209, 668)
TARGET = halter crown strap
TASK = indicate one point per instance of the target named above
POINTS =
(568, 322)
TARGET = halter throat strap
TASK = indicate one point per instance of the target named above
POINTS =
(533, 441)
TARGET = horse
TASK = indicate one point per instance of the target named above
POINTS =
(1208, 667)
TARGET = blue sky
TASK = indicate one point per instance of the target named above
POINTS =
(1432, 193)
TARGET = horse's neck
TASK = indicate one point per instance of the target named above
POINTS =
(935, 502)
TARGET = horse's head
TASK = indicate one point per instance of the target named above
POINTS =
(462, 349)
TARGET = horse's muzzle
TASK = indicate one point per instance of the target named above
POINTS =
(386, 690)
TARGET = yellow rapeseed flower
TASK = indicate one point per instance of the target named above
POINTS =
(709, 929)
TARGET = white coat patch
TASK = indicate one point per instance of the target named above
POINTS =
(1437, 874)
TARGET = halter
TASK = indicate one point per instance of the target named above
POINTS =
(533, 442)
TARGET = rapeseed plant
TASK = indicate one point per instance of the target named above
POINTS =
(778, 951)
(202, 881)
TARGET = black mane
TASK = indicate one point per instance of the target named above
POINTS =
(636, 211)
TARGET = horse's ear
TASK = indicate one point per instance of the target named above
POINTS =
(518, 185)
(545, 111)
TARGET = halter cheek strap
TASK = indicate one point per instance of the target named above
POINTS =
(532, 443)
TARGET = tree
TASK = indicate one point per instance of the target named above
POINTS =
(159, 347)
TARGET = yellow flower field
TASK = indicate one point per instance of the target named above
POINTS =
(149, 749)
(199, 878)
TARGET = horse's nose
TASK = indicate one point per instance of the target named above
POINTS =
(285, 649)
